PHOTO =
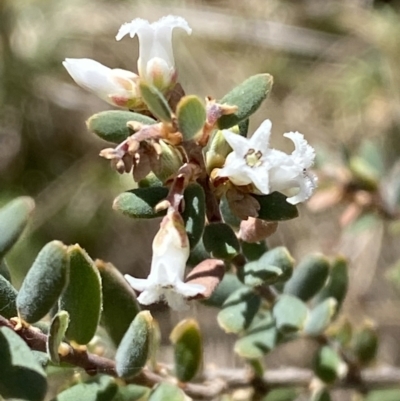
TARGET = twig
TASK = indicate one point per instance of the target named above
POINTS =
(215, 381)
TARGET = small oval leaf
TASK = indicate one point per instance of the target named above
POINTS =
(308, 277)
(320, 317)
(188, 349)
(259, 339)
(14, 217)
(57, 330)
(82, 298)
(139, 203)
(191, 115)
(134, 349)
(8, 298)
(119, 301)
(111, 125)
(21, 375)
(365, 344)
(156, 102)
(290, 314)
(248, 97)
(220, 240)
(44, 283)
(273, 207)
(337, 284)
(328, 365)
(239, 310)
(194, 213)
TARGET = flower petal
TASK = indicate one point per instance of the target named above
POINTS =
(260, 179)
(150, 296)
(138, 284)
(303, 153)
(239, 144)
(89, 74)
(307, 184)
(132, 28)
(260, 139)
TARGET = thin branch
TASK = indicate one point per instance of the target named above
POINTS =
(215, 381)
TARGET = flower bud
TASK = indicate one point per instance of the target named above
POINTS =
(116, 86)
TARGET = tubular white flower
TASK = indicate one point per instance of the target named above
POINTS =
(165, 281)
(116, 86)
(269, 170)
(156, 59)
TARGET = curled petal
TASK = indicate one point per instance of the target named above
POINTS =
(156, 60)
(303, 153)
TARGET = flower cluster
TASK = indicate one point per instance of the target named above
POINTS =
(178, 140)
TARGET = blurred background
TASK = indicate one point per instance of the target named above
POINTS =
(336, 68)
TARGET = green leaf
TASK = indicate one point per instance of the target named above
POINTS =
(134, 348)
(82, 298)
(365, 344)
(308, 277)
(120, 306)
(44, 283)
(14, 217)
(150, 180)
(328, 365)
(167, 391)
(191, 116)
(229, 284)
(198, 254)
(41, 358)
(275, 265)
(320, 317)
(228, 216)
(259, 339)
(132, 392)
(273, 207)
(337, 284)
(111, 125)
(221, 241)
(258, 273)
(290, 314)
(21, 376)
(253, 251)
(139, 203)
(194, 213)
(188, 349)
(239, 310)
(8, 297)
(4, 270)
(102, 388)
(248, 97)
(244, 127)
(58, 327)
(156, 102)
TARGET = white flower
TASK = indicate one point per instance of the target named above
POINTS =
(253, 162)
(156, 60)
(165, 281)
(115, 86)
